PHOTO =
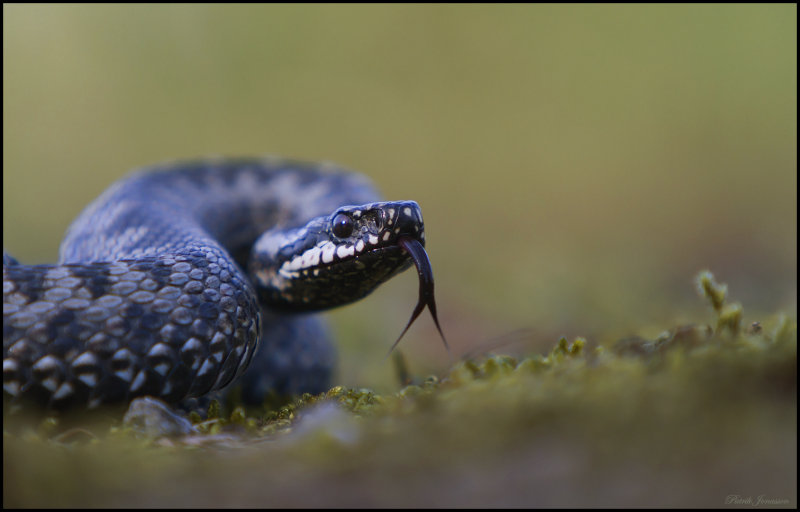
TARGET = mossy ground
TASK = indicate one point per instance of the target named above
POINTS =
(701, 415)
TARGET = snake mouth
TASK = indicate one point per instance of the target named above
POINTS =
(419, 257)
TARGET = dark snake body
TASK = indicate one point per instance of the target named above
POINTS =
(149, 296)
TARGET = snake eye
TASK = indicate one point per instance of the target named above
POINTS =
(342, 225)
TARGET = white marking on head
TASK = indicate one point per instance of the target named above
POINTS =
(360, 246)
(344, 251)
(373, 240)
(327, 252)
(295, 264)
(288, 274)
(311, 257)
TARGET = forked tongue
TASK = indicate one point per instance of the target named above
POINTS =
(423, 264)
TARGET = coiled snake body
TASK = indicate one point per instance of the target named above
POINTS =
(150, 297)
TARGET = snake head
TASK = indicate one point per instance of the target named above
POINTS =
(340, 258)
(335, 259)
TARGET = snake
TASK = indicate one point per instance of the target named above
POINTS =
(187, 276)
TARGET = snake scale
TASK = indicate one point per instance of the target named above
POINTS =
(180, 277)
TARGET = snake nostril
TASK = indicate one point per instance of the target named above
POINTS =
(409, 223)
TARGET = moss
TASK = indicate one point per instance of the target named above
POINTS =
(682, 401)
(713, 291)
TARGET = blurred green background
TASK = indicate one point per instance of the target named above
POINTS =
(576, 164)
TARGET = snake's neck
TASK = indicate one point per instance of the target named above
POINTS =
(227, 204)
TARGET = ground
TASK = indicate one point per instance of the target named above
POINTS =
(702, 415)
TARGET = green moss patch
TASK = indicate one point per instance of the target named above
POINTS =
(693, 416)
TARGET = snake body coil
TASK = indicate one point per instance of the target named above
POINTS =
(150, 297)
